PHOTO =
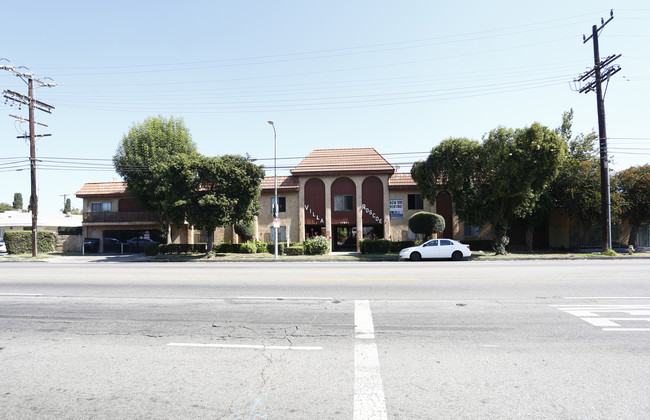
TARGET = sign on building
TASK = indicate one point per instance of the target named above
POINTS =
(396, 209)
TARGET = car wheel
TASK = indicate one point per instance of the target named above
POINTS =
(416, 256)
(457, 256)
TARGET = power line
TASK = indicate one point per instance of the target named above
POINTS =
(362, 49)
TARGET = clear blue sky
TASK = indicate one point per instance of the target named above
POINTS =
(396, 76)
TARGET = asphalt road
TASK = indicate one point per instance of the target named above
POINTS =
(474, 339)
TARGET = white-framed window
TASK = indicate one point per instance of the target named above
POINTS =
(102, 207)
(343, 203)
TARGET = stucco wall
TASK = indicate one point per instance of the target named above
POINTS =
(290, 218)
(399, 227)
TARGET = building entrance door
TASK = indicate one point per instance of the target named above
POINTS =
(345, 238)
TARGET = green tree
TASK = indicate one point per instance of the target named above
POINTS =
(577, 186)
(68, 206)
(29, 206)
(426, 223)
(18, 201)
(152, 142)
(577, 190)
(455, 165)
(245, 230)
(633, 186)
(497, 181)
(580, 149)
(211, 192)
(5, 207)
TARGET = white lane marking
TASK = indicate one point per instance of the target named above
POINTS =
(282, 298)
(626, 329)
(369, 402)
(606, 297)
(21, 294)
(609, 322)
(601, 315)
(601, 322)
(245, 346)
(363, 325)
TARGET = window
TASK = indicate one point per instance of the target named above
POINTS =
(643, 236)
(283, 233)
(101, 207)
(282, 204)
(414, 236)
(415, 202)
(343, 203)
(445, 242)
(471, 230)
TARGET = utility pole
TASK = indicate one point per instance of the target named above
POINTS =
(32, 104)
(601, 72)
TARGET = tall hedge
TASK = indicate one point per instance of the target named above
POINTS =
(20, 241)
(375, 246)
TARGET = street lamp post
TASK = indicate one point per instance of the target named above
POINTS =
(275, 189)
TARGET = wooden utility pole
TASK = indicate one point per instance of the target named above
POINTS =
(32, 104)
(32, 167)
(601, 72)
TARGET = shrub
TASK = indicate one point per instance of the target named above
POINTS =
(262, 247)
(397, 246)
(227, 247)
(270, 248)
(318, 245)
(223, 248)
(20, 241)
(293, 250)
(181, 249)
(479, 244)
(249, 247)
(152, 249)
(426, 223)
(245, 230)
(375, 246)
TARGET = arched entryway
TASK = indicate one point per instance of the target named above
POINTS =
(344, 219)
(314, 207)
(372, 198)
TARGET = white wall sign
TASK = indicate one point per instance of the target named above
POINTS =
(314, 215)
(396, 209)
(371, 213)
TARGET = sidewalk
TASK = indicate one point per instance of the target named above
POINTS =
(332, 257)
(77, 259)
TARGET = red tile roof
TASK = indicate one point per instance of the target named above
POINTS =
(401, 180)
(343, 161)
(285, 183)
(103, 189)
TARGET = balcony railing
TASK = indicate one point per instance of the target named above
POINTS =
(120, 217)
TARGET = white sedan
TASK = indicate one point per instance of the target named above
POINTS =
(436, 248)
